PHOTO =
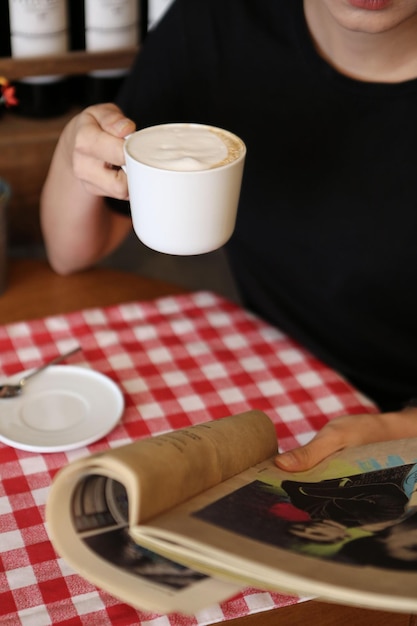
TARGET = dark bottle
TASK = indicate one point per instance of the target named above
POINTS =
(40, 29)
(5, 47)
(77, 83)
(143, 19)
(77, 24)
(109, 26)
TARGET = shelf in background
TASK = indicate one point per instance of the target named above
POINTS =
(69, 64)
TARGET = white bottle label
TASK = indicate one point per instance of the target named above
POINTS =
(111, 25)
(38, 19)
(38, 28)
(110, 14)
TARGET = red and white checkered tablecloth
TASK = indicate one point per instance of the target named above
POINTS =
(179, 360)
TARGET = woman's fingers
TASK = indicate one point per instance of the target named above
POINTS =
(347, 431)
(97, 150)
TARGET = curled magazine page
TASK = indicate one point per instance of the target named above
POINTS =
(162, 471)
(94, 539)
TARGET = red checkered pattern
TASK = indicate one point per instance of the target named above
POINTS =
(179, 360)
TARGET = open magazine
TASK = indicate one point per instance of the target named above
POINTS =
(179, 521)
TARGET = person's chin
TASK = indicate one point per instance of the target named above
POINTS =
(371, 16)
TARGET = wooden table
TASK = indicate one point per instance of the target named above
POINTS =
(35, 291)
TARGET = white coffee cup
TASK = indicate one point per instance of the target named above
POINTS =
(184, 184)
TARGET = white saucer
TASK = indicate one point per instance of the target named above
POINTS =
(63, 408)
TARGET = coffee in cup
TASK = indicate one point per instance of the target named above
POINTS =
(184, 184)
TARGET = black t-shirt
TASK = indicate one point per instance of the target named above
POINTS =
(325, 242)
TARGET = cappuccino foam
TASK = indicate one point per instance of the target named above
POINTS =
(185, 147)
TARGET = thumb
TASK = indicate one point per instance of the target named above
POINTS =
(305, 457)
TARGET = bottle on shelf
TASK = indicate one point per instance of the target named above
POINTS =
(77, 42)
(5, 47)
(77, 24)
(103, 25)
(40, 28)
(156, 9)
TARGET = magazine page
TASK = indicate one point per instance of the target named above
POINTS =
(345, 531)
(93, 502)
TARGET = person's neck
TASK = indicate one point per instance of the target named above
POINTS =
(389, 56)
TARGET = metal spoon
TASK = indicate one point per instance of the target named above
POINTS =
(13, 390)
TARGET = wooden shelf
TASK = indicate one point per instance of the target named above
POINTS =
(69, 64)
